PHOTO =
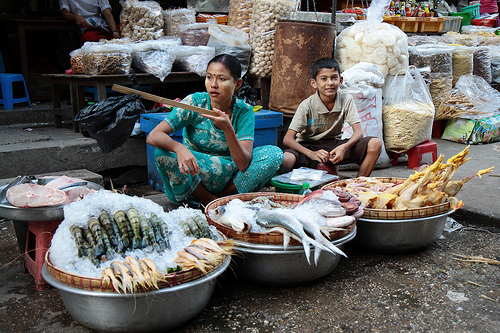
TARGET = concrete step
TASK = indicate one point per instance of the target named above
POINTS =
(41, 150)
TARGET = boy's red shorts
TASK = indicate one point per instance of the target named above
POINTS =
(356, 154)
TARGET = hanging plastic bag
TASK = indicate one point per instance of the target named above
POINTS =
(408, 112)
(110, 121)
(373, 41)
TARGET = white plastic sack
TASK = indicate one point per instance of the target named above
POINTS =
(233, 41)
(364, 72)
(368, 100)
(373, 41)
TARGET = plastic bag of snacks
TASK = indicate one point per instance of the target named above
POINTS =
(265, 16)
(437, 57)
(462, 62)
(194, 58)
(155, 57)
(240, 14)
(373, 41)
(176, 17)
(480, 94)
(106, 58)
(440, 87)
(141, 20)
(482, 63)
(195, 34)
(76, 60)
(407, 112)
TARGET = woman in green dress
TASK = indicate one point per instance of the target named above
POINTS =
(216, 157)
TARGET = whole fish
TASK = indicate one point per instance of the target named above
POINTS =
(269, 219)
(306, 217)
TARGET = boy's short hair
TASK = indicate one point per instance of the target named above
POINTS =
(328, 63)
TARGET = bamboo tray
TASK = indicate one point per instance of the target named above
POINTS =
(273, 238)
(96, 284)
(395, 214)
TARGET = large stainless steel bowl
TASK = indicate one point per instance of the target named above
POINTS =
(400, 235)
(273, 265)
(140, 312)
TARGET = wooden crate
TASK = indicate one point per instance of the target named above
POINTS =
(431, 24)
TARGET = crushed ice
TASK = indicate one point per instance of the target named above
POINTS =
(64, 253)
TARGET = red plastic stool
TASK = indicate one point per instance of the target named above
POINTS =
(37, 243)
(415, 154)
(330, 168)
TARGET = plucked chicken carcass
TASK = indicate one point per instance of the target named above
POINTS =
(431, 186)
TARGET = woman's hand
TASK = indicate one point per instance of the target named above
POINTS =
(187, 161)
(221, 121)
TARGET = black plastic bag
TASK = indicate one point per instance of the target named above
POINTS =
(247, 93)
(110, 121)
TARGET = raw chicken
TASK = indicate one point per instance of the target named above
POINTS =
(32, 195)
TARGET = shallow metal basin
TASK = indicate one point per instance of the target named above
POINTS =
(272, 265)
(400, 235)
(140, 312)
(47, 213)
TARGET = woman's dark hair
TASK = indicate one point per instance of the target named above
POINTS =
(230, 62)
(328, 63)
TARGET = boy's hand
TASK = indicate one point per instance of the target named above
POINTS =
(321, 156)
(337, 154)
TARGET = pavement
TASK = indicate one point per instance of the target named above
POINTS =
(425, 290)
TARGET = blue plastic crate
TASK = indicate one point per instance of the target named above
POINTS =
(266, 133)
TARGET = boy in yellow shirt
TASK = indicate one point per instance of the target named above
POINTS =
(314, 135)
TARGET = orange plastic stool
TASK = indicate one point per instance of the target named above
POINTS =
(415, 154)
(330, 168)
(37, 243)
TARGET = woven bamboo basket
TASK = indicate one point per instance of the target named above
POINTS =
(273, 238)
(395, 214)
(96, 284)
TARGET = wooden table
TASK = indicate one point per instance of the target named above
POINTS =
(76, 82)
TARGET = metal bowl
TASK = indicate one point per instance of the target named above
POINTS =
(139, 312)
(37, 214)
(400, 235)
(273, 265)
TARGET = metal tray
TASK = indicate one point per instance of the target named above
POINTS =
(48, 213)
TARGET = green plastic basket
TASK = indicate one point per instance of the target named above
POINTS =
(474, 10)
(466, 17)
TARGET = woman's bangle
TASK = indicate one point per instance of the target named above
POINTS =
(116, 30)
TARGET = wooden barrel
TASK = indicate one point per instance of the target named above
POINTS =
(298, 45)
